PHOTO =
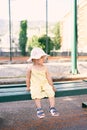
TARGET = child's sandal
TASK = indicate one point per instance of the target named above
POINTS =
(53, 111)
(40, 113)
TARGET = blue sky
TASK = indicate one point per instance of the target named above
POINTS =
(35, 9)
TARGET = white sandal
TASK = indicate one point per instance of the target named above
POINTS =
(53, 111)
(40, 113)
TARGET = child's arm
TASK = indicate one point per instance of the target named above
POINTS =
(28, 75)
(50, 80)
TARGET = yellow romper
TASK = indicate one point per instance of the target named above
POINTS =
(40, 87)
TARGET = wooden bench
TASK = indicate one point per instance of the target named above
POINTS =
(17, 92)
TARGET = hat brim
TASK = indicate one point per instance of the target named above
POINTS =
(30, 59)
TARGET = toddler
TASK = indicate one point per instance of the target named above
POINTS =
(39, 82)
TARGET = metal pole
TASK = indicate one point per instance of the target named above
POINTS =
(46, 26)
(74, 39)
(10, 28)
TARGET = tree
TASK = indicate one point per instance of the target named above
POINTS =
(33, 42)
(57, 38)
(42, 41)
(23, 37)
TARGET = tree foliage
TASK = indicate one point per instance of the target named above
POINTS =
(42, 41)
(57, 38)
(23, 37)
(33, 42)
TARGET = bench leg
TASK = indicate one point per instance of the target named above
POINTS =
(84, 104)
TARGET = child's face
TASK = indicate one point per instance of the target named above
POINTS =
(42, 59)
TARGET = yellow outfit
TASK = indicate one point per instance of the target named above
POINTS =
(40, 87)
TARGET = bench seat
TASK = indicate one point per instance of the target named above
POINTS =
(17, 92)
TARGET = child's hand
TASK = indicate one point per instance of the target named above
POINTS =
(28, 88)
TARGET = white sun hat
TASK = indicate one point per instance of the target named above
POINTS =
(36, 53)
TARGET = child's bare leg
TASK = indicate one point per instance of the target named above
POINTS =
(38, 103)
(52, 101)
(53, 110)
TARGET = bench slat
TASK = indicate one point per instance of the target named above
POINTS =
(58, 87)
(12, 85)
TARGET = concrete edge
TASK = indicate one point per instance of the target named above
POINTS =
(13, 81)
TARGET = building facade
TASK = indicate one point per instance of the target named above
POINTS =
(66, 24)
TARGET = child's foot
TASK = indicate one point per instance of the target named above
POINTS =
(40, 113)
(53, 111)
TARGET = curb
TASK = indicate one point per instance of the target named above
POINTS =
(23, 80)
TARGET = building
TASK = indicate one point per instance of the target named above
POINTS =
(66, 28)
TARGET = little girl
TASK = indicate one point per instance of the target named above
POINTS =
(39, 82)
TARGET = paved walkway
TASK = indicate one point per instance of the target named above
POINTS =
(60, 71)
(22, 115)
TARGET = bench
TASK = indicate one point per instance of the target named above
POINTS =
(17, 92)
